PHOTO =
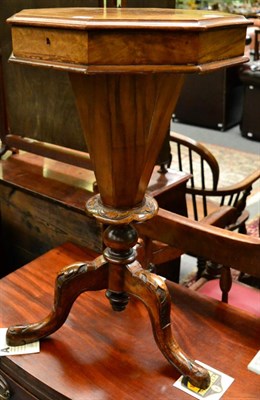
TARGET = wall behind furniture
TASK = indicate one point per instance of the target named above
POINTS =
(40, 103)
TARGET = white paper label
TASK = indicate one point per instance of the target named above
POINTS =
(219, 383)
(6, 350)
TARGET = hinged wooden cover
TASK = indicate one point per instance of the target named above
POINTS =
(94, 40)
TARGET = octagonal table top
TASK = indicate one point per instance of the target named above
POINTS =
(94, 40)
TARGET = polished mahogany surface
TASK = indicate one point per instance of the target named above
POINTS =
(97, 40)
(101, 354)
(73, 186)
(97, 18)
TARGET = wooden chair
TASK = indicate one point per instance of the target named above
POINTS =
(223, 289)
(203, 189)
(231, 289)
(203, 192)
(200, 205)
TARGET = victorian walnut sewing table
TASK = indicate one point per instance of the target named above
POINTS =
(126, 68)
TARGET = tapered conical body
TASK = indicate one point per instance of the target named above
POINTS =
(125, 119)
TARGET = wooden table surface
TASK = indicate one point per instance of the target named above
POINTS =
(101, 354)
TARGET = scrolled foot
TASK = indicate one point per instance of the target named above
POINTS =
(70, 283)
(198, 376)
(153, 292)
(19, 335)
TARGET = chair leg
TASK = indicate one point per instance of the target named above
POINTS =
(201, 265)
(225, 283)
(212, 270)
(242, 229)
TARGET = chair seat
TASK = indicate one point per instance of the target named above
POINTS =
(241, 296)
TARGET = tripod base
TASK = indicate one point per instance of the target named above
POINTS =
(100, 274)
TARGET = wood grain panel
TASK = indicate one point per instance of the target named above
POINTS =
(31, 226)
(48, 44)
